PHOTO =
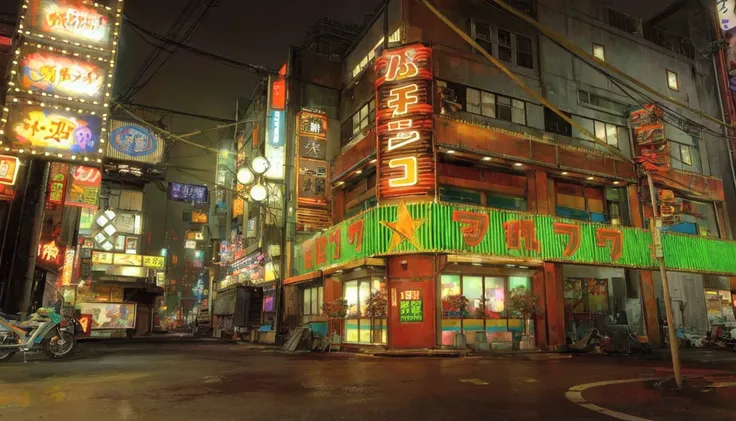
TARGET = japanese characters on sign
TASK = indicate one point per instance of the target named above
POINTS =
(84, 191)
(275, 150)
(51, 253)
(192, 193)
(726, 14)
(9, 166)
(133, 142)
(70, 20)
(49, 73)
(313, 124)
(53, 133)
(404, 122)
(58, 180)
(278, 90)
(652, 148)
(68, 268)
(312, 176)
(156, 262)
(410, 307)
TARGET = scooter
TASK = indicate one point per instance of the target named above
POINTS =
(46, 330)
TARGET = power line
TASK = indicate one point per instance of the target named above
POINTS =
(183, 113)
(185, 38)
(153, 55)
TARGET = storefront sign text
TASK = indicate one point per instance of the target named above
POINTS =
(58, 74)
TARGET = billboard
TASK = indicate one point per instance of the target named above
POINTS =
(74, 22)
(110, 315)
(9, 166)
(84, 191)
(49, 131)
(404, 123)
(191, 193)
(134, 142)
(54, 73)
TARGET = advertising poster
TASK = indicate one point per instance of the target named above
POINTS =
(58, 179)
(9, 166)
(410, 307)
(191, 193)
(312, 182)
(110, 315)
(84, 191)
(60, 74)
(53, 131)
(133, 142)
(123, 259)
(70, 20)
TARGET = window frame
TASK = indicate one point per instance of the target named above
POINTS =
(606, 126)
(315, 293)
(493, 40)
(669, 72)
(602, 49)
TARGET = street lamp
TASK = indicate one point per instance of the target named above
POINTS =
(258, 193)
(245, 176)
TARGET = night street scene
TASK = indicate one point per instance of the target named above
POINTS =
(367, 210)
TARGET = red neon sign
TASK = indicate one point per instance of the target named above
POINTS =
(404, 122)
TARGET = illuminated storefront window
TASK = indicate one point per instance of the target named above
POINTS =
(486, 308)
(366, 315)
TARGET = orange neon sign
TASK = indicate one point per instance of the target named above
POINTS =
(404, 122)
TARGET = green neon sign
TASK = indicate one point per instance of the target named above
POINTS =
(457, 229)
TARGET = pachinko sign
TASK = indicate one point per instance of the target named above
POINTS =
(133, 142)
(71, 20)
(57, 74)
(404, 122)
(84, 191)
(64, 134)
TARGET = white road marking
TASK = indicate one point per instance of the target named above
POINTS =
(477, 382)
(575, 395)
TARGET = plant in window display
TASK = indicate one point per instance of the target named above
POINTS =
(337, 309)
(377, 304)
(456, 306)
(522, 304)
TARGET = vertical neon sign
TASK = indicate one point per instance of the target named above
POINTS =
(404, 122)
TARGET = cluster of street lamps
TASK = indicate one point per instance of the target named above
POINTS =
(248, 176)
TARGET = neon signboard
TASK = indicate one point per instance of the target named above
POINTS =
(404, 122)
(84, 191)
(57, 74)
(9, 166)
(191, 193)
(49, 131)
(275, 145)
(133, 142)
(72, 20)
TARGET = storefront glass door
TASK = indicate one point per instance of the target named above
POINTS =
(366, 315)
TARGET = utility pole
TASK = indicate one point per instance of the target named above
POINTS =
(655, 225)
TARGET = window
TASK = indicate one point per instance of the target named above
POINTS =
(363, 63)
(599, 52)
(598, 101)
(687, 157)
(364, 117)
(672, 81)
(311, 303)
(590, 203)
(509, 47)
(504, 45)
(556, 124)
(486, 310)
(524, 52)
(482, 35)
(606, 132)
(496, 106)
(367, 310)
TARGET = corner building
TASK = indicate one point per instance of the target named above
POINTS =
(451, 181)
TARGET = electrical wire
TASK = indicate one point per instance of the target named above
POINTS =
(523, 85)
(185, 38)
(153, 55)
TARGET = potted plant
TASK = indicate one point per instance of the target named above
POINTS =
(523, 304)
(457, 303)
(377, 309)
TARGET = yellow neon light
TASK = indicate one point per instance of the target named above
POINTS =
(411, 171)
(402, 138)
(400, 98)
(399, 69)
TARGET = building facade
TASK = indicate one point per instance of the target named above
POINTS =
(453, 188)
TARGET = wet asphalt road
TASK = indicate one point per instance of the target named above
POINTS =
(212, 381)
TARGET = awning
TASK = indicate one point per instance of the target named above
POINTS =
(224, 304)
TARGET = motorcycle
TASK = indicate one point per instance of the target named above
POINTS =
(46, 330)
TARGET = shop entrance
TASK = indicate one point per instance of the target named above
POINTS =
(412, 313)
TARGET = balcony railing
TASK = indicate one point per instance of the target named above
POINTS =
(635, 26)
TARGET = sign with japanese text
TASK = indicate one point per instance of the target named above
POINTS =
(313, 124)
(51, 253)
(134, 142)
(155, 262)
(199, 217)
(102, 258)
(312, 179)
(652, 148)
(67, 271)
(9, 166)
(84, 191)
(278, 90)
(73, 21)
(404, 123)
(58, 179)
(53, 73)
(452, 229)
(726, 14)
(275, 150)
(191, 193)
(410, 307)
(53, 133)
(123, 259)
(312, 148)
